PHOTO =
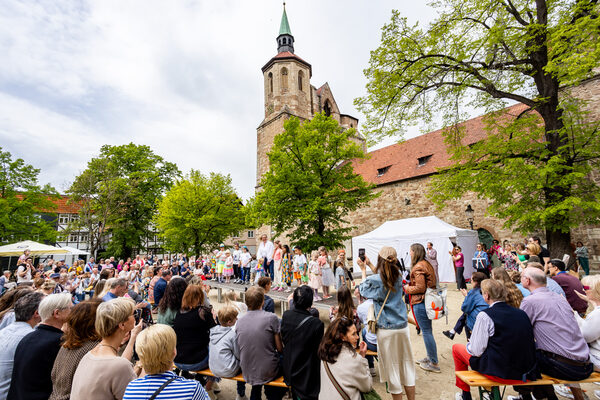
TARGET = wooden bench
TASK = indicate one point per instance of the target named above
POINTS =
(276, 382)
(486, 385)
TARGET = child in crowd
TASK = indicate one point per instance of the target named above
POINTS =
(340, 275)
(232, 300)
(265, 283)
(228, 267)
(246, 260)
(300, 267)
(472, 305)
(258, 269)
(223, 350)
(326, 273)
(370, 338)
(315, 274)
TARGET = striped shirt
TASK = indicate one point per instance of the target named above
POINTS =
(180, 388)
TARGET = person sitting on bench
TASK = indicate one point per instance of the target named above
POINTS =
(562, 351)
(501, 345)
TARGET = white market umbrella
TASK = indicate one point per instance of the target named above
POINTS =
(36, 249)
(75, 251)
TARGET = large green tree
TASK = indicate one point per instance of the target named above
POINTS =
(310, 186)
(23, 202)
(534, 165)
(119, 191)
(198, 213)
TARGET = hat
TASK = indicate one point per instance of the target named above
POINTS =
(221, 245)
(387, 252)
(55, 275)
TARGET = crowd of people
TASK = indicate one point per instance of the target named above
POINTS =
(141, 329)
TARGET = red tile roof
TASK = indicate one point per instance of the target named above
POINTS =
(286, 55)
(403, 158)
(63, 206)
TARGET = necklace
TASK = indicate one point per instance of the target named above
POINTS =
(108, 345)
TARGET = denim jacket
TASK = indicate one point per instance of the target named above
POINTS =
(472, 305)
(393, 315)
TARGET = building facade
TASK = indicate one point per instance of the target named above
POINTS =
(401, 172)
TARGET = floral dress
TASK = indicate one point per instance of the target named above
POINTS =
(286, 269)
(509, 261)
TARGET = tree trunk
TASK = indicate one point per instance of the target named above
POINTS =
(559, 243)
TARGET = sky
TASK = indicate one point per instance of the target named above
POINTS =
(180, 76)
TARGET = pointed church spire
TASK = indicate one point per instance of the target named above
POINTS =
(284, 27)
(285, 40)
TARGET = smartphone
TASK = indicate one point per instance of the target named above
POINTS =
(361, 254)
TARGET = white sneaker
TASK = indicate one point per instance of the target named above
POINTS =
(373, 371)
(458, 396)
(563, 391)
(511, 397)
(597, 394)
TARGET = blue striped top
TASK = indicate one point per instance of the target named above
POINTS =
(180, 388)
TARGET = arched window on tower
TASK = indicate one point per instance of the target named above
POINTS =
(300, 79)
(327, 108)
(284, 79)
(270, 83)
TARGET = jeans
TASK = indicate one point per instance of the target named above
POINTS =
(269, 268)
(460, 278)
(236, 270)
(193, 367)
(271, 392)
(246, 274)
(585, 264)
(425, 325)
(370, 346)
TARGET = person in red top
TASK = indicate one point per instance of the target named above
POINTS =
(569, 284)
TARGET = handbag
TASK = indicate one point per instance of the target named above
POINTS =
(371, 320)
(435, 303)
(370, 395)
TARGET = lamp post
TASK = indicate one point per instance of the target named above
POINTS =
(469, 212)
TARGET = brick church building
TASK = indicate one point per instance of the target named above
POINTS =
(401, 172)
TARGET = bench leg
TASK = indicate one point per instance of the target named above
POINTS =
(493, 393)
(219, 293)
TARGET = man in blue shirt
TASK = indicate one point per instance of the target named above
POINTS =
(117, 289)
(161, 285)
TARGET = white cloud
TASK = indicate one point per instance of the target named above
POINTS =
(181, 76)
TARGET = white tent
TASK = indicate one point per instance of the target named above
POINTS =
(75, 251)
(36, 249)
(400, 234)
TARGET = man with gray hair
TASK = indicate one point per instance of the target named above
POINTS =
(35, 354)
(562, 352)
(118, 288)
(26, 317)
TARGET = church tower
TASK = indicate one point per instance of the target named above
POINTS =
(288, 92)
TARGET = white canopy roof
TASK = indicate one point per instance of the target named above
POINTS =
(75, 251)
(16, 249)
(400, 234)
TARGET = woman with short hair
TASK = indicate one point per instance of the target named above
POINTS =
(79, 338)
(384, 287)
(155, 347)
(342, 369)
(102, 374)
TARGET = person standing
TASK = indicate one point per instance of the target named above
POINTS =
(431, 256)
(245, 259)
(237, 261)
(583, 257)
(277, 278)
(26, 318)
(459, 264)
(161, 285)
(301, 334)
(384, 287)
(265, 253)
(422, 277)
(481, 260)
(35, 354)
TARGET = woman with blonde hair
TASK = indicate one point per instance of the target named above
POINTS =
(155, 347)
(513, 294)
(101, 373)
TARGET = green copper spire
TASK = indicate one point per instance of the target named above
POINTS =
(284, 28)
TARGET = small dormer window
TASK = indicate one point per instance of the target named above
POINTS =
(382, 171)
(423, 160)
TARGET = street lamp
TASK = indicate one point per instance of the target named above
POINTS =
(470, 215)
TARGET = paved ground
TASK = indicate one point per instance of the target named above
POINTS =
(429, 385)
